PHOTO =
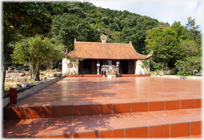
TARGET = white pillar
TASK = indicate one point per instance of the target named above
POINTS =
(98, 67)
(135, 66)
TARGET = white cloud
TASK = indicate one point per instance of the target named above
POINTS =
(165, 11)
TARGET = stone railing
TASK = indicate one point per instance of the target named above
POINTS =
(24, 92)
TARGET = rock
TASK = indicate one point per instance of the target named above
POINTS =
(49, 75)
(8, 79)
(21, 74)
(18, 84)
(22, 79)
(15, 79)
(57, 74)
(8, 75)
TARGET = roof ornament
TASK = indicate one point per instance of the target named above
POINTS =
(103, 38)
(151, 53)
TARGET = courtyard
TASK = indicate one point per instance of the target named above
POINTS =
(96, 107)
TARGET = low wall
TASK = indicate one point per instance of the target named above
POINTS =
(24, 92)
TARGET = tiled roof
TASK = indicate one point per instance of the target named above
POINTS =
(99, 50)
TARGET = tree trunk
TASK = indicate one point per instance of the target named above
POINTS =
(34, 72)
(3, 74)
(4, 61)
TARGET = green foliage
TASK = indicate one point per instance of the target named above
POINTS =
(145, 64)
(187, 66)
(165, 46)
(119, 26)
(67, 27)
(33, 51)
(26, 18)
(6, 89)
(134, 29)
(23, 19)
(192, 31)
(190, 48)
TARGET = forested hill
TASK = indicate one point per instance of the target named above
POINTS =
(86, 22)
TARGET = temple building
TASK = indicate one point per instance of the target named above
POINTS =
(98, 55)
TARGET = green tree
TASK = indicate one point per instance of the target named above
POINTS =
(187, 66)
(165, 46)
(192, 31)
(181, 31)
(190, 48)
(134, 29)
(67, 27)
(22, 18)
(33, 51)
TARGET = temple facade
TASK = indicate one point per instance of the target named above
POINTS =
(98, 55)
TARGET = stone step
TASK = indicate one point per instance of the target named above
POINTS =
(66, 109)
(155, 124)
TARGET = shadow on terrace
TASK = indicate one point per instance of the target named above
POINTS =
(83, 98)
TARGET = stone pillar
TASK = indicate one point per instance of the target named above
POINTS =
(98, 67)
(135, 66)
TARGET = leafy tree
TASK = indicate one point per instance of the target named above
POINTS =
(135, 30)
(33, 51)
(67, 27)
(165, 46)
(187, 66)
(192, 31)
(190, 48)
(22, 18)
(181, 31)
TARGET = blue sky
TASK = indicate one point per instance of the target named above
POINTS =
(165, 10)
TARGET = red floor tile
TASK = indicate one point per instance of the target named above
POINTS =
(58, 126)
(127, 120)
(172, 105)
(180, 130)
(40, 112)
(198, 103)
(32, 127)
(159, 131)
(149, 119)
(61, 111)
(107, 122)
(16, 113)
(196, 128)
(11, 127)
(59, 136)
(121, 108)
(140, 107)
(82, 110)
(136, 132)
(103, 109)
(156, 106)
(188, 114)
(112, 134)
(186, 104)
(169, 117)
(84, 124)
(86, 135)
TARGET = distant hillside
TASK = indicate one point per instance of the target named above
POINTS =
(119, 26)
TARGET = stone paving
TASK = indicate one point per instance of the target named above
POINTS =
(96, 107)
(98, 90)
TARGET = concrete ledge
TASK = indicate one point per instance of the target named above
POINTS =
(24, 92)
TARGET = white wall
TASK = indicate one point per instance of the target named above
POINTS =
(66, 70)
(139, 67)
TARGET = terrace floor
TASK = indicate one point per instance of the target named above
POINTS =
(99, 90)
(97, 107)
